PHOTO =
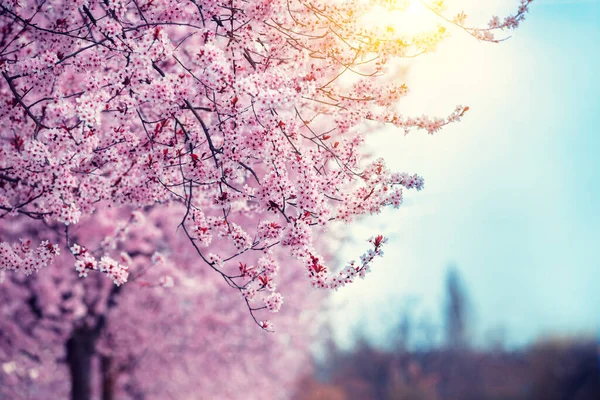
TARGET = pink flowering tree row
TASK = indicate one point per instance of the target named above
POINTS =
(241, 121)
(171, 332)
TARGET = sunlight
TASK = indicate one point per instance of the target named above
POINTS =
(403, 17)
(413, 7)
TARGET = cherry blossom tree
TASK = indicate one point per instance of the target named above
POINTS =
(188, 143)
(169, 333)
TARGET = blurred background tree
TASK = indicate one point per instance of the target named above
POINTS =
(457, 368)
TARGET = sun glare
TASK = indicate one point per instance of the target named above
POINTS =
(404, 17)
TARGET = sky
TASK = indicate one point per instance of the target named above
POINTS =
(512, 193)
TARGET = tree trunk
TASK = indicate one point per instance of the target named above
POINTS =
(108, 378)
(80, 349)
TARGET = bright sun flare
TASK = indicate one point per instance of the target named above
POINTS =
(407, 17)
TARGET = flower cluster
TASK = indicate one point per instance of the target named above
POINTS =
(21, 257)
(116, 271)
(84, 261)
(321, 277)
(495, 24)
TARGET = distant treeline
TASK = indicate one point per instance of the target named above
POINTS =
(551, 369)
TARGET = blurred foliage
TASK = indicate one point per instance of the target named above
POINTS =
(550, 369)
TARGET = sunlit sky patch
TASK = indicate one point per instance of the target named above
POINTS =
(511, 193)
(406, 16)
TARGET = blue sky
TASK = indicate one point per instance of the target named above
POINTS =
(512, 193)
